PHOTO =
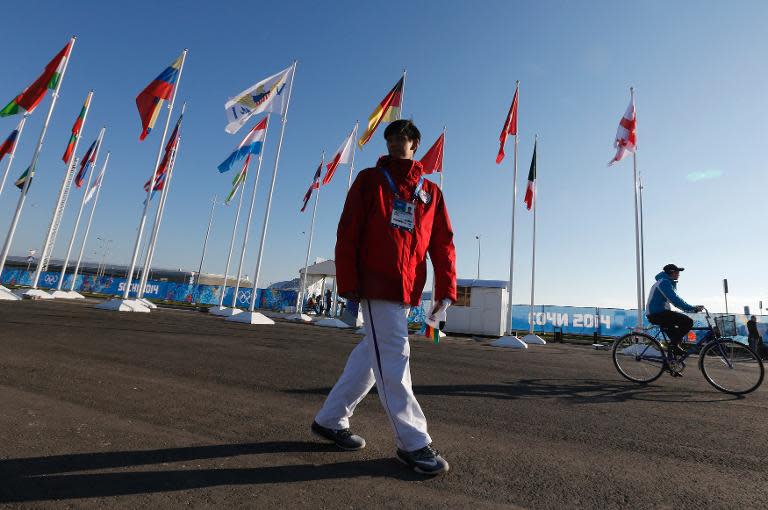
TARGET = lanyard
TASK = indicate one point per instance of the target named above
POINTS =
(394, 188)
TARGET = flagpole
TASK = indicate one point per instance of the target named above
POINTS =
(533, 254)
(302, 290)
(159, 214)
(19, 128)
(140, 233)
(158, 219)
(232, 242)
(251, 317)
(434, 283)
(80, 211)
(642, 241)
(637, 229)
(205, 243)
(402, 94)
(35, 157)
(511, 287)
(352, 163)
(58, 209)
(250, 217)
(90, 220)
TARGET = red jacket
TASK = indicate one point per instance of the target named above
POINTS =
(378, 261)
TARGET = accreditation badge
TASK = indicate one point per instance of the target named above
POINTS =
(403, 215)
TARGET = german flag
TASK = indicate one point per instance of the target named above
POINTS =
(387, 111)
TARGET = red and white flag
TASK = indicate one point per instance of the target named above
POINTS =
(433, 159)
(315, 185)
(343, 156)
(626, 136)
(510, 128)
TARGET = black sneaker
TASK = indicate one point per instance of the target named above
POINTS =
(426, 461)
(342, 438)
(677, 350)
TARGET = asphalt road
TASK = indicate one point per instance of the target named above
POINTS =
(180, 409)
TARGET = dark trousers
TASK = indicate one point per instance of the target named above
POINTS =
(675, 324)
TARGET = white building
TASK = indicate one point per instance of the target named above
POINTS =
(480, 308)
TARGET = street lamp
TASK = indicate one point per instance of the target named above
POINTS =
(478, 256)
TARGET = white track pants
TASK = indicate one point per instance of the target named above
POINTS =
(382, 359)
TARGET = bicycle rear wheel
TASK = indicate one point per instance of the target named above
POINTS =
(638, 357)
(731, 367)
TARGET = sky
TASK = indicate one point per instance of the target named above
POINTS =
(698, 74)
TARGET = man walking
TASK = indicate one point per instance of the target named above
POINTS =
(392, 218)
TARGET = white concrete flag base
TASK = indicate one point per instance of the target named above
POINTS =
(299, 317)
(73, 294)
(223, 311)
(36, 294)
(146, 302)
(510, 341)
(251, 318)
(61, 294)
(331, 322)
(534, 340)
(360, 331)
(123, 305)
(7, 295)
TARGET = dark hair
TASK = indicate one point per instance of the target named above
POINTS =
(403, 127)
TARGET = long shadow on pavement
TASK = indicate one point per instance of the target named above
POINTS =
(45, 478)
(581, 391)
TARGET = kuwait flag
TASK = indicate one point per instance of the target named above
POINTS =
(32, 95)
(315, 185)
(76, 128)
(510, 127)
(343, 157)
(387, 111)
(23, 178)
(251, 144)
(9, 143)
(626, 135)
(88, 159)
(150, 100)
(433, 159)
(530, 191)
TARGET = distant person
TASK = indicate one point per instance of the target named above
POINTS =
(755, 342)
(659, 312)
(311, 304)
(392, 218)
(328, 301)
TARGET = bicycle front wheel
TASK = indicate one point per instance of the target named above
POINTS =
(731, 367)
(638, 357)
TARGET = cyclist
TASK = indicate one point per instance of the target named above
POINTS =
(659, 312)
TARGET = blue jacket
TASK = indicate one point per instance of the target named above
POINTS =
(664, 292)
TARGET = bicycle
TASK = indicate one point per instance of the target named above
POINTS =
(728, 365)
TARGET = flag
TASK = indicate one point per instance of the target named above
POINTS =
(387, 111)
(510, 128)
(9, 143)
(159, 185)
(150, 100)
(239, 179)
(23, 178)
(431, 333)
(251, 144)
(342, 157)
(94, 187)
(433, 159)
(88, 159)
(170, 146)
(32, 95)
(626, 135)
(530, 191)
(266, 95)
(76, 131)
(315, 185)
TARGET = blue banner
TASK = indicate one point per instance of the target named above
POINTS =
(271, 299)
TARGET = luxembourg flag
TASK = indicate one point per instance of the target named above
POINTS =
(251, 144)
(343, 156)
